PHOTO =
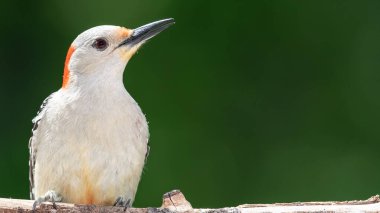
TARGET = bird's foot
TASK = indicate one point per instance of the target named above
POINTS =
(123, 202)
(50, 196)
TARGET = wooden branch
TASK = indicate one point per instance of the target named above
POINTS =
(175, 201)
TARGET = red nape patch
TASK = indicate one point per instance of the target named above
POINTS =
(66, 71)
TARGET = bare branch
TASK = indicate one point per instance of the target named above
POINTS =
(175, 201)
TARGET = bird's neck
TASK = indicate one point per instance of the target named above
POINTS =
(98, 83)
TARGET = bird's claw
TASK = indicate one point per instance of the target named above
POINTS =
(50, 196)
(122, 202)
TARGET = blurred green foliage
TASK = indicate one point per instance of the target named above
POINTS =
(248, 101)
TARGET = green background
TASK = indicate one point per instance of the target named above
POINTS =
(247, 101)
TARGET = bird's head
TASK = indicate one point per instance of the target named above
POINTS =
(101, 50)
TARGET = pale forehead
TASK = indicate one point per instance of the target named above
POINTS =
(108, 31)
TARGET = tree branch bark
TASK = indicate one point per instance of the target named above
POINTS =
(175, 201)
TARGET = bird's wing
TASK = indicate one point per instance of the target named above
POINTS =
(147, 148)
(147, 153)
(32, 150)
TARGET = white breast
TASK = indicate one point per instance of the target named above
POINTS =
(91, 147)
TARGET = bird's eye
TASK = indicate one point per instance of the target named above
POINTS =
(100, 44)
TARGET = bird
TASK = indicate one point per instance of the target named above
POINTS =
(89, 140)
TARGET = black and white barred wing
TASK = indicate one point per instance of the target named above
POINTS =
(32, 145)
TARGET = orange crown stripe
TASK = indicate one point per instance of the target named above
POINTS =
(66, 71)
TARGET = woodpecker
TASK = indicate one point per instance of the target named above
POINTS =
(89, 139)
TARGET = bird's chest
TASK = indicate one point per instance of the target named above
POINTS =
(105, 133)
(101, 123)
(99, 147)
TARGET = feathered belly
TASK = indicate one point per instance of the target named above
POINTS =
(91, 165)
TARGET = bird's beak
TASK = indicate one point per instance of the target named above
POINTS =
(144, 33)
